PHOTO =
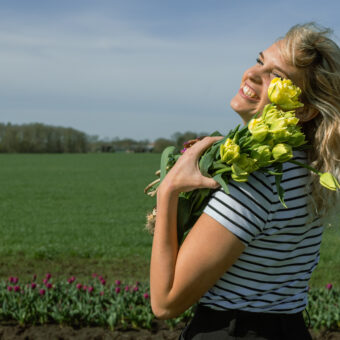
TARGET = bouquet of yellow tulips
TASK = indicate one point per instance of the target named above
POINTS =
(262, 145)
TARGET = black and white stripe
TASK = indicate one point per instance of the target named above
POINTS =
(282, 244)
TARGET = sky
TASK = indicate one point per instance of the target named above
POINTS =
(140, 69)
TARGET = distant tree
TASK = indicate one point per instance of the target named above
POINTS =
(161, 143)
(39, 138)
(181, 137)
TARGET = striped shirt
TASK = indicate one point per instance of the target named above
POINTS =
(282, 244)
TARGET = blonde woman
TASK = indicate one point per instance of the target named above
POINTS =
(248, 260)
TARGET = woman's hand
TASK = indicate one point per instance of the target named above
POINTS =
(185, 175)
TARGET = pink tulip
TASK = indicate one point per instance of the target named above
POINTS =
(48, 276)
(9, 288)
(84, 287)
(135, 289)
(13, 279)
(71, 279)
(329, 286)
(42, 292)
(16, 288)
(90, 289)
(117, 290)
(94, 275)
(79, 285)
(101, 293)
(137, 283)
(34, 277)
(103, 282)
(118, 282)
(33, 285)
(49, 285)
(45, 281)
(146, 296)
(127, 288)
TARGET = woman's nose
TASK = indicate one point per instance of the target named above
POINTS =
(254, 75)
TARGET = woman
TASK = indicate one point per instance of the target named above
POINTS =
(248, 260)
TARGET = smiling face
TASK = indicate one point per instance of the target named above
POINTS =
(253, 93)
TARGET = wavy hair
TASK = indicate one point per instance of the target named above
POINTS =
(309, 48)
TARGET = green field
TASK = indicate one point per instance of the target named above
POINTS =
(76, 214)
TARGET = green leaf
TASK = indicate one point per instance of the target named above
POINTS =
(216, 134)
(280, 190)
(183, 216)
(206, 161)
(218, 165)
(166, 154)
(209, 156)
(222, 181)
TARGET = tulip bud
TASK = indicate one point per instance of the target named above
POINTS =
(229, 151)
(238, 174)
(271, 115)
(282, 152)
(258, 129)
(296, 139)
(329, 181)
(242, 168)
(284, 93)
(262, 155)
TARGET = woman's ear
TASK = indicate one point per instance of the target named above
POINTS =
(306, 113)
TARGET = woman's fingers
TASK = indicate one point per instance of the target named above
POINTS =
(209, 183)
(199, 147)
(197, 150)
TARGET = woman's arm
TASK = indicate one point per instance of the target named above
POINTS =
(178, 278)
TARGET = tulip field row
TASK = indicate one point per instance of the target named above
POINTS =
(97, 302)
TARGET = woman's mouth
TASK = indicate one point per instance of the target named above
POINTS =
(248, 92)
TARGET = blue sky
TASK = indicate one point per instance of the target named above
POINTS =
(137, 68)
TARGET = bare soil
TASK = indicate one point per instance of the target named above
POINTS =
(160, 331)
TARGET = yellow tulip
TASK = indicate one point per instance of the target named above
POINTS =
(238, 174)
(262, 155)
(284, 94)
(296, 139)
(282, 152)
(258, 129)
(229, 151)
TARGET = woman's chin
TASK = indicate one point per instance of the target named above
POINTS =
(244, 114)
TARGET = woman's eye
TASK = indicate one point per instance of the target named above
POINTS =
(259, 61)
(278, 76)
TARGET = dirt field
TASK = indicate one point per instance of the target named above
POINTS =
(56, 332)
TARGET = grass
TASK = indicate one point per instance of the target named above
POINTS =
(328, 269)
(75, 211)
(76, 214)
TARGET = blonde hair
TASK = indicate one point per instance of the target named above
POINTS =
(309, 48)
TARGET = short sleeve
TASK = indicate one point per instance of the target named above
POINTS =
(244, 211)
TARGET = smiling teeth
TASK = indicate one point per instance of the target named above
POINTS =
(248, 92)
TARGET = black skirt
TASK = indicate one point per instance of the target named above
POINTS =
(233, 324)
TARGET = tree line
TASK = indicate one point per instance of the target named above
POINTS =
(41, 138)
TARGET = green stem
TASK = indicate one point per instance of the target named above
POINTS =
(221, 171)
(305, 166)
